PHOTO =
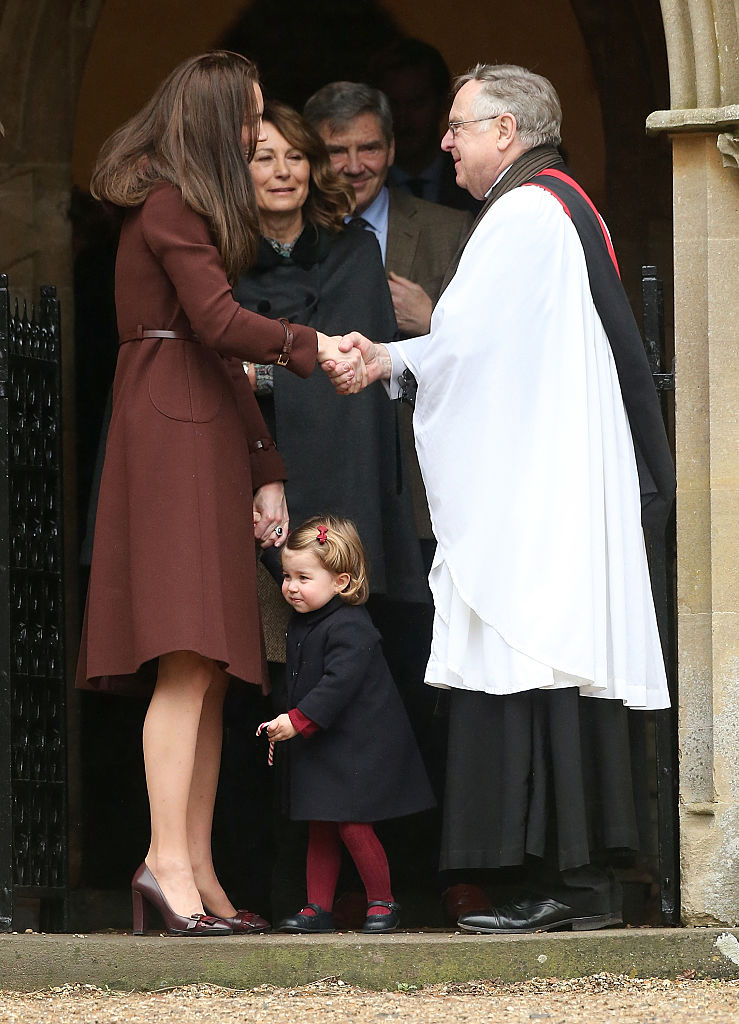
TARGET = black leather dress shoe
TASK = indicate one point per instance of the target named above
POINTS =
(382, 922)
(309, 924)
(533, 914)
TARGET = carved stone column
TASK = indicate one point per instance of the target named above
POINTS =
(702, 38)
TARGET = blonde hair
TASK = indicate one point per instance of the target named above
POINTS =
(189, 134)
(341, 551)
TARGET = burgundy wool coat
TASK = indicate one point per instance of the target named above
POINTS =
(173, 564)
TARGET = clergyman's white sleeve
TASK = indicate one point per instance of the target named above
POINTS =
(398, 352)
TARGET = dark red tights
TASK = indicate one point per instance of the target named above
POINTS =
(324, 862)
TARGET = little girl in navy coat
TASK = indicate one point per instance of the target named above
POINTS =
(353, 758)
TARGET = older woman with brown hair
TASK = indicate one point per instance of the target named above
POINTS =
(314, 269)
(191, 475)
(342, 458)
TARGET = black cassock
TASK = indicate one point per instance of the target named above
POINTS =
(549, 773)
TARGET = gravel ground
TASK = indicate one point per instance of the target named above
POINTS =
(594, 1000)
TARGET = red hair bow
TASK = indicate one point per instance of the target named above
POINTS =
(322, 531)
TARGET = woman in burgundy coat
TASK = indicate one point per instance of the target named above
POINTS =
(191, 476)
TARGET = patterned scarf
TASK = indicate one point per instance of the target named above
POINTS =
(523, 169)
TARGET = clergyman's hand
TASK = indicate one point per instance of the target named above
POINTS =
(376, 358)
(344, 365)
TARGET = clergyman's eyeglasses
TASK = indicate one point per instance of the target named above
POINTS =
(454, 126)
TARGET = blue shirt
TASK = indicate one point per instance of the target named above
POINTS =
(376, 217)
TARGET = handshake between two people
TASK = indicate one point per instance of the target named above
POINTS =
(352, 362)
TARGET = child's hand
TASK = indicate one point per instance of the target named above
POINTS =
(281, 728)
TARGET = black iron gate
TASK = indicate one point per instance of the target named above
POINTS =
(662, 564)
(33, 826)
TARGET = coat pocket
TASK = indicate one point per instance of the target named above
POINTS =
(186, 381)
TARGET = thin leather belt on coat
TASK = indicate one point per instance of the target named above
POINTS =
(142, 333)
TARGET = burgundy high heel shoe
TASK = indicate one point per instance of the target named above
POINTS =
(145, 893)
(244, 922)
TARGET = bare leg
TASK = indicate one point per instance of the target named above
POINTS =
(202, 797)
(170, 741)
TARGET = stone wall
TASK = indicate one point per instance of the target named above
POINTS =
(707, 399)
(703, 51)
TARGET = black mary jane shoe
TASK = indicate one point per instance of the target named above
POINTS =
(382, 922)
(309, 924)
(533, 914)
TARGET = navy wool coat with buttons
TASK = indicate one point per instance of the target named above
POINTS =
(363, 764)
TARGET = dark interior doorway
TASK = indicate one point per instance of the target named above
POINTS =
(624, 45)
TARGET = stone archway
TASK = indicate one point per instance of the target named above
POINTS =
(43, 46)
(703, 124)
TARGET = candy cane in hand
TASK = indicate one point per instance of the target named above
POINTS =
(271, 751)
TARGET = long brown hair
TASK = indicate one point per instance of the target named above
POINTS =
(329, 198)
(189, 134)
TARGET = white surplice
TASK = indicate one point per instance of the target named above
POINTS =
(540, 578)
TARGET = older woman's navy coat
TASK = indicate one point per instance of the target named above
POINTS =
(363, 764)
(342, 454)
